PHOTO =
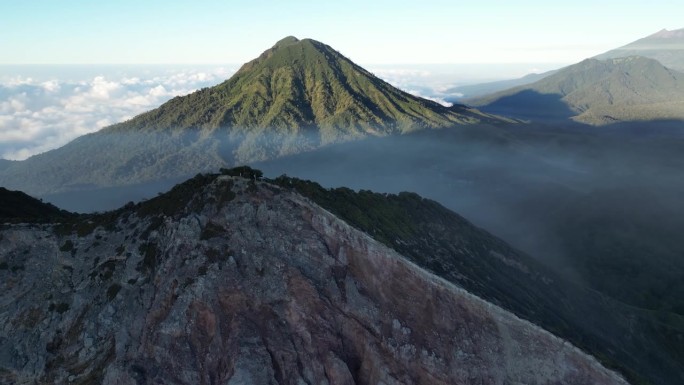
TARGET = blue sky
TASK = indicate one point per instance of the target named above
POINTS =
(369, 32)
(43, 107)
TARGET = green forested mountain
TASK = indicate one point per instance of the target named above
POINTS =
(297, 96)
(665, 46)
(300, 84)
(4, 163)
(597, 92)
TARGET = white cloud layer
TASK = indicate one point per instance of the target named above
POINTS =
(419, 82)
(40, 115)
(435, 99)
(43, 112)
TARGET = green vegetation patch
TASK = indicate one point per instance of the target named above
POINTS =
(67, 246)
(244, 172)
(178, 200)
(212, 230)
(216, 256)
(150, 254)
(155, 224)
(60, 308)
(105, 271)
(112, 291)
(17, 207)
(388, 218)
(225, 193)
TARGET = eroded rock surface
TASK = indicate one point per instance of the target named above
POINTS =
(257, 287)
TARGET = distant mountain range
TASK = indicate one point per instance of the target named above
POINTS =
(4, 163)
(480, 89)
(297, 96)
(596, 92)
(665, 46)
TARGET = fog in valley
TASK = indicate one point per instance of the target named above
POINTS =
(579, 198)
(571, 197)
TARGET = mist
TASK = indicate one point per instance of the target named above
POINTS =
(564, 195)
(517, 182)
(43, 107)
(572, 196)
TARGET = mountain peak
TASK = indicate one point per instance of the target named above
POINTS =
(665, 46)
(305, 84)
(667, 34)
(295, 97)
(286, 41)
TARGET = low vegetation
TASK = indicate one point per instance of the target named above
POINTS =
(448, 245)
(17, 207)
(596, 92)
(432, 237)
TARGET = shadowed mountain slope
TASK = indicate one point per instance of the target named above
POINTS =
(641, 344)
(596, 92)
(297, 96)
(4, 163)
(15, 206)
(206, 284)
(470, 91)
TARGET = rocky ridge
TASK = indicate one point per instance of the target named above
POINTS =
(239, 281)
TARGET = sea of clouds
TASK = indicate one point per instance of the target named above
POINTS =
(45, 107)
(426, 83)
(45, 111)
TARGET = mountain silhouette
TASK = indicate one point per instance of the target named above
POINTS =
(15, 206)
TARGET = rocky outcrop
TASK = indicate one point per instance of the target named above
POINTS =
(251, 283)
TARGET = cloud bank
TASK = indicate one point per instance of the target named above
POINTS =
(40, 112)
(427, 84)
(40, 115)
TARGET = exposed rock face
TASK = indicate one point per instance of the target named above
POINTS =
(259, 287)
